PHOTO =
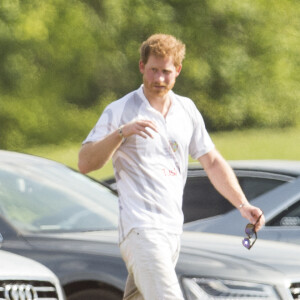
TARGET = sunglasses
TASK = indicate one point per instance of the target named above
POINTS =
(251, 238)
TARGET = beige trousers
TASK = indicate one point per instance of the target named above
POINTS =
(150, 256)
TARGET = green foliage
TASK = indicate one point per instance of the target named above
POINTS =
(63, 61)
(41, 121)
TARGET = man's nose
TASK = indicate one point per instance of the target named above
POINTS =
(159, 76)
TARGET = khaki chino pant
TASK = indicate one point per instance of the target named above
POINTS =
(150, 256)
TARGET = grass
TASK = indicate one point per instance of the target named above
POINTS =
(260, 144)
(246, 144)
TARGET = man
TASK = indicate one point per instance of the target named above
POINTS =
(149, 134)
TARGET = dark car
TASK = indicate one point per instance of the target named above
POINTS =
(281, 207)
(256, 177)
(68, 222)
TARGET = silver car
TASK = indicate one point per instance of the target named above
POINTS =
(280, 203)
(228, 271)
(24, 279)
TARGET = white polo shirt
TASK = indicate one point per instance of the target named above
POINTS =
(151, 173)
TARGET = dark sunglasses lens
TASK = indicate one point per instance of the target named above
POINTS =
(246, 243)
(249, 230)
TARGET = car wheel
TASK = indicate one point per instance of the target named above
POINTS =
(96, 294)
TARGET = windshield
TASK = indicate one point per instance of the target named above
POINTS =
(52, 197)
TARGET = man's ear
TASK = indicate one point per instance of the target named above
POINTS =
(141, 66)
(178, 70)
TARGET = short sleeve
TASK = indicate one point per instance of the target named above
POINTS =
(105, 125)
(201, 143)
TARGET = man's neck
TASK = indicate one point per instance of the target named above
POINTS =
(161, 103)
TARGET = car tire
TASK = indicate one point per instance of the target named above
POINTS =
(96, 294)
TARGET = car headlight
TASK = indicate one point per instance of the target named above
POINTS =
(218, 289)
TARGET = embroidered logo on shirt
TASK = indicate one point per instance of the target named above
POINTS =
(174, 145)
(170, 172)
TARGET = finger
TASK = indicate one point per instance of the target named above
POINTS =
(148, 123)
(260, 224)
(148, 132)
(152, 126)
(141, 129)
(141, 134)
(252, 215)
(256, 213)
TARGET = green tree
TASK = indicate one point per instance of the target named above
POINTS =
(63, 61)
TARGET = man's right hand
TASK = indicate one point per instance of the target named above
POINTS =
(139, 127)
(94, 155)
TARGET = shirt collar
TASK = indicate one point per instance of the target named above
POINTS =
(140, 92)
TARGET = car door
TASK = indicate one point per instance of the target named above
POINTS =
(201, 200)
(281, 207)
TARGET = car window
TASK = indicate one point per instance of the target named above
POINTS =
(201, 199)
(255, 184)
(289, 217)
(54, 198)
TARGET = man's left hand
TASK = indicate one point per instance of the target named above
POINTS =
(253, 214)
